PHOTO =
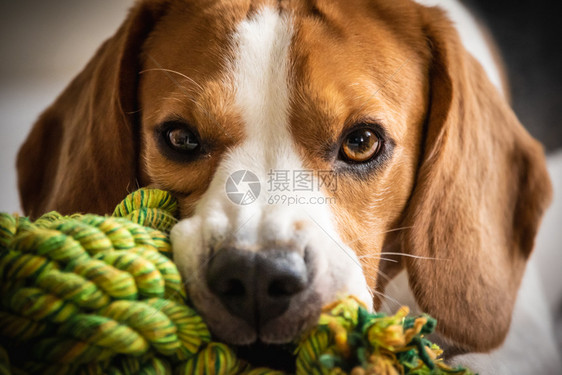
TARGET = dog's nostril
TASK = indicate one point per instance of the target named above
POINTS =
(279, 288)
(232, 288)
(286, 287)
(230, 274)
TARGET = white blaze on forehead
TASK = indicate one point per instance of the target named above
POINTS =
(261, 75)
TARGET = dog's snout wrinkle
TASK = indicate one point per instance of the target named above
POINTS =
(257, 286)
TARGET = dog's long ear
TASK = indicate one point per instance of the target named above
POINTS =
(481, 190)
(81, 155)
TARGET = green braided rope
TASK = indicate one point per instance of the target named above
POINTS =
(90, 294)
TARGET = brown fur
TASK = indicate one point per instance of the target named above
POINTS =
(464, 177)
(481, 190)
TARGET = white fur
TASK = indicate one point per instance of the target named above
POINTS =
(262, 91)
(471, 35)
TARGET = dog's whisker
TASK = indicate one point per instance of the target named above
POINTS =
(377, 271)
(414, 256)
(380, 256)
(383, 275)
(175, 72)
(379, 233)
(385, 297)
(367, 256)
(395, 229)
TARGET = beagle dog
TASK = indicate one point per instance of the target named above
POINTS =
(418, 165)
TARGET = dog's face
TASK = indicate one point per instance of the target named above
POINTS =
(270, 91)
(407, 147)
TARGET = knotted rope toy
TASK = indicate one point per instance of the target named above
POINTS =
(87, 294)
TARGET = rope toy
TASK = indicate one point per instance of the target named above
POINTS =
(87, 294)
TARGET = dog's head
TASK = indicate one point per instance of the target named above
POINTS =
(385, 131)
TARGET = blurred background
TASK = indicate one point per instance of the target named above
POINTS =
(529, 35)
(44, 44)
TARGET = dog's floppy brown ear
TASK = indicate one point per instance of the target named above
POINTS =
(481, 190)
(81, 154)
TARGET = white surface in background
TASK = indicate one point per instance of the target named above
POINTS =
(472, 36)
(548, 248)
(44, 44)
(20, 104)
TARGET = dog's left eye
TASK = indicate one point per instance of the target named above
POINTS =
(361, 145)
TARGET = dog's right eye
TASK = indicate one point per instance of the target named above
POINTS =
(182, 139)
(178, 141)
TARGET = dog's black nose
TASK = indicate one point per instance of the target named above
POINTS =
(256, 286)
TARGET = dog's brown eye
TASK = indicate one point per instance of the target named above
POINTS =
(361, 145)
(182, 139)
